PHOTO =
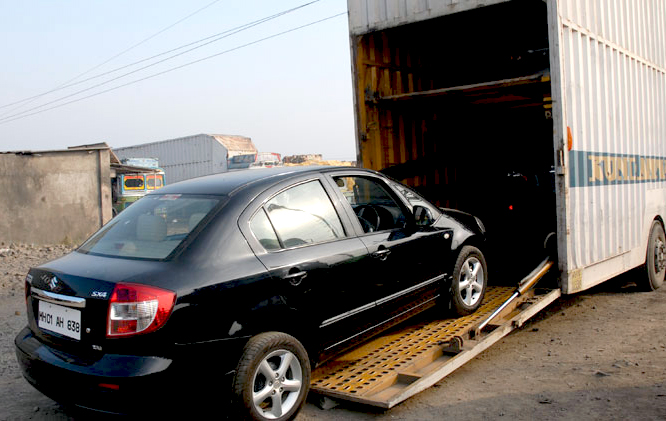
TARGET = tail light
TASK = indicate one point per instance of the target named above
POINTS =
(27, 289)
(137, 308)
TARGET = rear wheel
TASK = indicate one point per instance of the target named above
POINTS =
(470, 278)
(273, 377)
(655, 260)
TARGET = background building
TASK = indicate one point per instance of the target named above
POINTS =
(192, 156)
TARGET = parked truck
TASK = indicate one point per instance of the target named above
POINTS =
(545, 118)
(254, 161)
(133, 180)
(466, 100)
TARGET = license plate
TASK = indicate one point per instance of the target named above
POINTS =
(59, 319)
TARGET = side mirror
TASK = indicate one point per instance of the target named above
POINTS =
(422, 216)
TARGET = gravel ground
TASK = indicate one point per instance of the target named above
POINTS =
(18, 400)
(16, 259)
(596, 355)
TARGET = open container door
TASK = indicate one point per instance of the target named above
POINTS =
(608, 62)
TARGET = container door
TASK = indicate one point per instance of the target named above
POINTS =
(607, 65)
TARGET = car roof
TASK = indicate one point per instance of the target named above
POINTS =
(228, 182)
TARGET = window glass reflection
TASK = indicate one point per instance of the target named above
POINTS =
(304, 214)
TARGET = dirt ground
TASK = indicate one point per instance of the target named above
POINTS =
(595, 355)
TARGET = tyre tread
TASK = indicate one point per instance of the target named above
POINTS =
(254, 350)
(650, 281)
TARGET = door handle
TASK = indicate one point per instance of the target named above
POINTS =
(381, 254)
(295, 279)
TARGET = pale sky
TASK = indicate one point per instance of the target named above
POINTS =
(291, 94)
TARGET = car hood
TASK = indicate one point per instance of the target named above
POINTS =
(470, 222)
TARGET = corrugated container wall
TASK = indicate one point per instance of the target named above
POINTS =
(373, 15)
(613, 60)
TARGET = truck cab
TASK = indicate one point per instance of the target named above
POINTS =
(136, 178)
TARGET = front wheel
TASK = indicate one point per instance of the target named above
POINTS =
(273, 377)
(470, 278)
(655, 260)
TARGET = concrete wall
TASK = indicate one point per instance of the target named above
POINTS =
(53, 197)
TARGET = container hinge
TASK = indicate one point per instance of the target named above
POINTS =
(560, 168)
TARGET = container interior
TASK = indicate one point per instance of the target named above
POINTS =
(459, 107)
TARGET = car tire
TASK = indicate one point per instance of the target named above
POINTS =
(273, 377)
(655, 259)
(470, 279)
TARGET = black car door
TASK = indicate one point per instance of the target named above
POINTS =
(407, 265)
(318, 265)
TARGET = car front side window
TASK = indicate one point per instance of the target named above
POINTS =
(413, 199)
(374, 207)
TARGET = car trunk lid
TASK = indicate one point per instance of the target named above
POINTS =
(68, 299)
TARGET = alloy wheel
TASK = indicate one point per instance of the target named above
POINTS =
(471, 281)
(277, 384)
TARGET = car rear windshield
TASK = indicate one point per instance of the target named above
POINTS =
(152, 227)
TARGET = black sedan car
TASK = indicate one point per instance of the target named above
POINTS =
(244, 280)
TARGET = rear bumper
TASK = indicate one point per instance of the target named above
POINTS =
(118, 384)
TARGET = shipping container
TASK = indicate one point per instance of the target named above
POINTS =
(537, 116)
(192, 156)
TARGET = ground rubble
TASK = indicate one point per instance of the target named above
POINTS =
(599, 354)
(17, 259)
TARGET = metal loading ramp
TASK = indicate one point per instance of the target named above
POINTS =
(401, 363)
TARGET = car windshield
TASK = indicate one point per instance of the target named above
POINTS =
(152, 227)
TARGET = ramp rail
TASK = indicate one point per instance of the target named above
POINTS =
(397, 365)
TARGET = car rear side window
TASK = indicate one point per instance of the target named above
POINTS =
(301, 215)
(263, 230)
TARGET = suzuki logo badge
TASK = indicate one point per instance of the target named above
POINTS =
(54, 284)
